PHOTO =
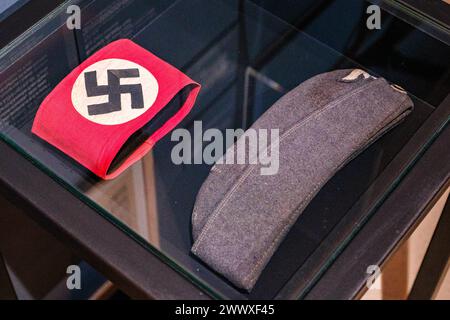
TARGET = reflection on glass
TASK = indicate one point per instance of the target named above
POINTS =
(132, 197)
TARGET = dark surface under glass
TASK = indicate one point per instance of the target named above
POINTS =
(245, 55)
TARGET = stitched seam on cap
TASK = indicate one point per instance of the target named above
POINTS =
(222, 204)
(251, 277)
(195, 209)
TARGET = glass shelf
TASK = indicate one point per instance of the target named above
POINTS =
(245, 58)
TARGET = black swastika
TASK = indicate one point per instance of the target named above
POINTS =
(113, 90)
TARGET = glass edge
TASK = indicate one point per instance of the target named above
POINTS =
(362, 222)
(115, 221)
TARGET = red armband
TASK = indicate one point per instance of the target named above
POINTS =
(96, 108)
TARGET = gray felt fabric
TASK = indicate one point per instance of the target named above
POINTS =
(240, 216)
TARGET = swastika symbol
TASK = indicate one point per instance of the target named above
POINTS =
(113, 89)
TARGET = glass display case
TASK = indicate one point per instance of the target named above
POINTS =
(246, 55)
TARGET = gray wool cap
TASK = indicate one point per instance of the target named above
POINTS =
(240, 216)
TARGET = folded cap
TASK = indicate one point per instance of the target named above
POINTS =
(240, 216)
(95, 109)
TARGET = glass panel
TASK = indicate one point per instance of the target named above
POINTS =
(245, 58)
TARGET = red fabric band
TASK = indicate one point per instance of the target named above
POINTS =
(101, 103)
